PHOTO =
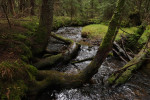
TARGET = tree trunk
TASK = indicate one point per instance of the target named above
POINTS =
(71, 9)
(45, 26)
(22, 5)
(106, 44)
(12, 10)
(32, 4)
(92, 8)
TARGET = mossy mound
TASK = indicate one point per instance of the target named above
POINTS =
(99, 31)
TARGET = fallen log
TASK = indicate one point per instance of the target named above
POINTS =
(123, 74)
(118, 53)
(64, 57)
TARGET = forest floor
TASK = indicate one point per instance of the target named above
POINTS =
(9, 49)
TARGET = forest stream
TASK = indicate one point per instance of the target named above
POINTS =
(137, 88)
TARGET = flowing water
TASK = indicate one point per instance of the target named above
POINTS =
(137, 88)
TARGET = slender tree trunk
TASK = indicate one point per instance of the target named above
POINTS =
(106, 44)
(12, 10)
(71, 9)
(3, 7)
(32, 4)
(21, 5)
(92, 8)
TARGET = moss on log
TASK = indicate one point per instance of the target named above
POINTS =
(122, 75)
(106, 44)
(54, 80)
(64, 57)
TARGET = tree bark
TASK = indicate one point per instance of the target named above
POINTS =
(32, 4)
(21, 5)
(92, 8)
(12, 10)
(106, 44)
(45, 26)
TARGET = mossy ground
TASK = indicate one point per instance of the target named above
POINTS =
(99, 31)
(15, 52)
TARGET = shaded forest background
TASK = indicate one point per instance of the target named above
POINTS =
(81, 10)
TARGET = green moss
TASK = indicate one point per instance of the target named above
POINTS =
(55, 58)
(52, 60)
(26, 52)
(60, 22)
(110, 54)
(31, 24)
(111, 79)
(63, 39)
(125, 75)
(143, 39)
(20, 37)
(99, 31)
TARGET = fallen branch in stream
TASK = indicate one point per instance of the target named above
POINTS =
(123, 74)
(60, 58)
(128, 56)
(83, 60)
(119, 56)
(121, 52)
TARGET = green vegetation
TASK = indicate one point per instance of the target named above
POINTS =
(15, 75)
(99, 31)
(144, 36)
